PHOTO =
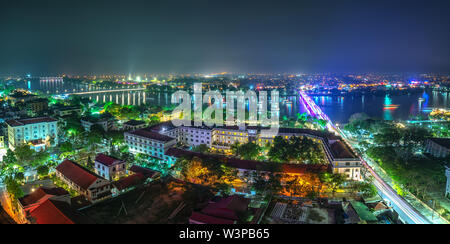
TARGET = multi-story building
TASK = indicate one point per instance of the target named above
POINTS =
(109, 167)
(149, 142)
(339, 155)
(188, 135)
(21, 97)
(195, 136)
(37, 106)
(93, 187)
(39, 132)
(438, 147)
(105, 121)
(343, 160)
(134, 125)
(224, 137)
(69, 110)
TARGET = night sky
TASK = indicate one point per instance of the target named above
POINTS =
(81, 37)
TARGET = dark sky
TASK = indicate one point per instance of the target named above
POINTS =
(49, 37)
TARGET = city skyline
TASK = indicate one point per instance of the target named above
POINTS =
(53, 37)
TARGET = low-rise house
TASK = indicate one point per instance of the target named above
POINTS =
(128, 183)
(93, 187)
(363, 214)
(133, 125)
(138, 175)
(38, 196)
(109, 167)
(144, 171)
(33, 200)
(438, 147)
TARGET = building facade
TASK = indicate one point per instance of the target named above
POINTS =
(438, 147)
(339, 155)
(40, 132)
(134, 125)
(109, 168)
(148, 142)
(93, 187)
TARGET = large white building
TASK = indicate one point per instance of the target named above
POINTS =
(39, 132)
(149, 142)
(339, 155)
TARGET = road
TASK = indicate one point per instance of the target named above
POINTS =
(406, 212)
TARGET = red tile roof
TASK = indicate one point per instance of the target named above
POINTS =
(341, 150)
(304, 168)
(144, 171)
(22, 122)
(77, 174)
(130, 181)
(227, 207)
(57, 212)
(219, 212)
(39, 193)
(151, 135)
(106, 160)
(206, 219)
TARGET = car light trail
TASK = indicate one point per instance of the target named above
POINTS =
(408, 213)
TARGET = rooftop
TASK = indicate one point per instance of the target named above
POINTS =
(340, 150)
(57, 212)
(22, 122)
(225, 210)
(106, 160)
(129, 181)
(141, 170)
(134, 122)
(39, 193)
(77, 174)
(363, 212)
(206, 219)
(151, 135)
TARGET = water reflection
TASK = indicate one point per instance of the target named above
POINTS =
(339, 109)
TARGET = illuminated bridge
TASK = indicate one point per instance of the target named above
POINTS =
(105, 91)
(406, 212)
